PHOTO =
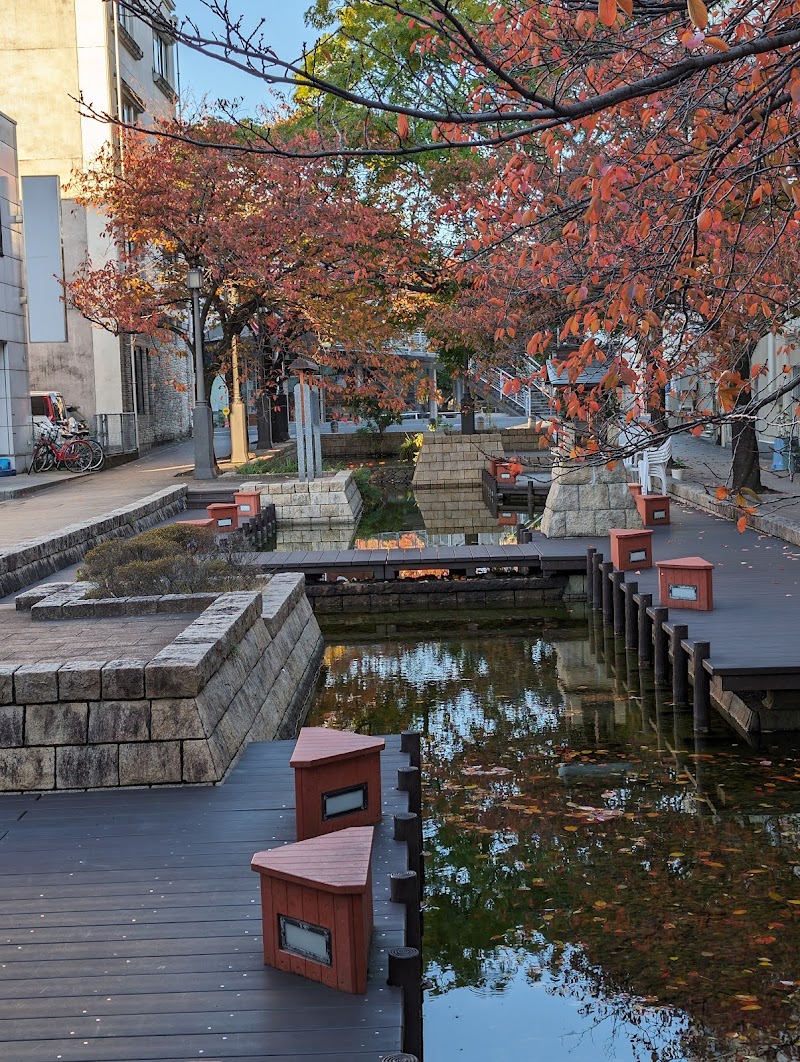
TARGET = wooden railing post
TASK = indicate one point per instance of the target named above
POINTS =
(590, 552)
(406, 828)
(597, 582)
(411, 744)
(680, 665)
(405, 972)
(631, 618)
(404, 888)
(618, 601)
(608, 601)
(660, 651)
(645, 636)
(702, 686)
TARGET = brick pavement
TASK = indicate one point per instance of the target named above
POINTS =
(25, 641)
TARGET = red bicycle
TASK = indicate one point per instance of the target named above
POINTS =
(75, 455)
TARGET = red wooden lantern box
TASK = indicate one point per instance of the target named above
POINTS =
(507, 471)
(685, 583)
(505, 519)
(198, 523)
(631, 550)
(248, 503)
(225, 516)
(337, 780)
(653, 509)
(316, 907)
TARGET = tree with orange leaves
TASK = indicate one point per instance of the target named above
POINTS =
(297, 255)
(640, 183)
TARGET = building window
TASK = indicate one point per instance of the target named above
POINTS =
(161, 49)
(130, 112)
(126, 18)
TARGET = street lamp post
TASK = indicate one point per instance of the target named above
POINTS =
(205, 464)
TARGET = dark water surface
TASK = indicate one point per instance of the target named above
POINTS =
(600, 885)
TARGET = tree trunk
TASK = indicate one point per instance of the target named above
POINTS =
(745, 468)
(264, 422)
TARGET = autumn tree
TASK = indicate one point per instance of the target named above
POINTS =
(299, 256)
(666, 128)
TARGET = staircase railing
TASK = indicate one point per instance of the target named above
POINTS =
(527, 399)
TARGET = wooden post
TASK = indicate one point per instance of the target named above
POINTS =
(660, 654)
(618, 601)
(702, 686)
(404, 888)
(597, 582)
(608, 601)
(631, 618)
(680, 665)
(410, 743)
(590, 552)
(409, 781)
(645, 636)
(405, 972)
(406, 828)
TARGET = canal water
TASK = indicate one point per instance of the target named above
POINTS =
(600, 884)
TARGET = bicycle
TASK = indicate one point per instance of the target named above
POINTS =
(74, 455)
(82, 434)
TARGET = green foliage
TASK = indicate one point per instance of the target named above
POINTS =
(174, 559)
(269, 466)
(411, 446)
(371, 495)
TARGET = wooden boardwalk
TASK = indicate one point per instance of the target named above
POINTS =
(130, 927)
(754, 628)
(541, 556)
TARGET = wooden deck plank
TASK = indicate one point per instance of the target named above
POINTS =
(139, 908)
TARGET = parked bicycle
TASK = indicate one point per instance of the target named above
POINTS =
(74, 429)
(75, 455)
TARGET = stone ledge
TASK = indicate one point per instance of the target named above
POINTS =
(87, 739)
(697, 495)
(31, 560)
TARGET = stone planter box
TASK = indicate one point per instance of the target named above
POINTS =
(243, 670)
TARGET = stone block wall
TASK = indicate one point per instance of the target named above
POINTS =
(28, 562)
(455, 460)
(355, 445)
(333, 501)
(588, 499)
(242, 671)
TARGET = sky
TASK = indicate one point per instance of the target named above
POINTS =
(201, 77)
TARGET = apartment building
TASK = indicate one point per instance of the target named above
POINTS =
(55, 53)
(15, 408)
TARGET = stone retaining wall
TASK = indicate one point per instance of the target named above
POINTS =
(242, 671)
(415, 595)
(333, 501)
(454, 460)
(34, 559)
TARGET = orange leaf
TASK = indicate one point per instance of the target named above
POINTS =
(704, 220)
(698, 431)
(698, 13)
(607, 10)
(402, 126)
(718, 43)
(741, 524)
(722, 493)
(627, 6)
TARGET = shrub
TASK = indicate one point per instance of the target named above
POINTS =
(173, 559)
(411, 446)
(371, 495)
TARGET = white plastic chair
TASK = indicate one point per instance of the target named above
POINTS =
(632, 434)
(653, 465)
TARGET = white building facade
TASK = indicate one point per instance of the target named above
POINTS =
(15, 406)
(53, 55)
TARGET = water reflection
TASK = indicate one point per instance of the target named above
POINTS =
(600, 883)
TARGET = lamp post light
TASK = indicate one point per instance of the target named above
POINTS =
(205, 463)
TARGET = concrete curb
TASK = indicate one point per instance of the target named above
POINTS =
(697, 494)
(26, 562)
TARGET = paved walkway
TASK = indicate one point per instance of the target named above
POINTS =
(709, 466)
(27, 641)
